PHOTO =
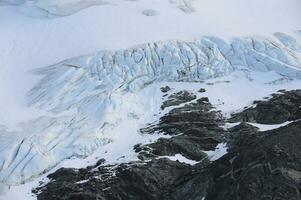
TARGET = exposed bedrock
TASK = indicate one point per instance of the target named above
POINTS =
(281, 107)
(178, 98)
(261, 165)
(195, 128)
(265, 165)
(156, 179)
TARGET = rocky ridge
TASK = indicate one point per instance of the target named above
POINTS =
(258, 164)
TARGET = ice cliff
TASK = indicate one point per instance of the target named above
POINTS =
(88, 96)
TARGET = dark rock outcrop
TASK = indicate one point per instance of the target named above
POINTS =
(165, 89)
(264, 166)
(240, 135)
(157, 179)
(282, 107)
(178, 98)
(195, 127)
(202, 90)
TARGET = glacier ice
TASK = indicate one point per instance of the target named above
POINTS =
(86, 96)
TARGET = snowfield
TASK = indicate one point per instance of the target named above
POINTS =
(52, 8)
(91, 107)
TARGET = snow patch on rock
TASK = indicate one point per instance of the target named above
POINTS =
(180, 158)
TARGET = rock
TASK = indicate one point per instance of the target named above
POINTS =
(195, 128)
(100, 162)
(189, 146)
(240, 135)
(165, 89)
(267, 167)
(178, 98)
(282, 91)
(149, 12)
(202, 90)
(259, 164)
(157, 179)
(282, 107)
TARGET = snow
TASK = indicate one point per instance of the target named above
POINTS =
(220, 150)
(266, 127)
(138, 110)
(76, 110)
(180, 158)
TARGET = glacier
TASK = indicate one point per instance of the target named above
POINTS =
(87, 97)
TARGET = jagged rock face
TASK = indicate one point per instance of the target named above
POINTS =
(266, 165)
(165, 89)
(195, 127)
(177, 99)
(279, 109)
(96, 87)
(259, 165)
(240, 135)
(157, 179)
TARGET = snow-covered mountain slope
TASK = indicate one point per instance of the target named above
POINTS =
(86, 97)
(81, 105)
